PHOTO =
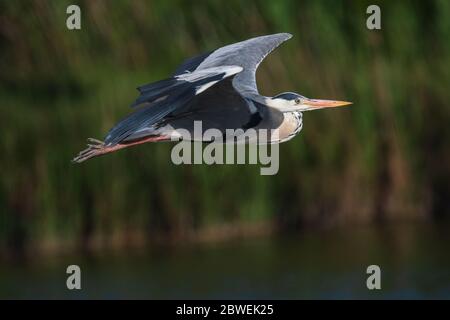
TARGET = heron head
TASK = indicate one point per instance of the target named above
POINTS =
(290, 101)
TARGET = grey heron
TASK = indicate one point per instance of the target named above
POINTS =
(217, 88)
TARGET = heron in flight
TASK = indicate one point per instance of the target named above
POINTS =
(217, 88)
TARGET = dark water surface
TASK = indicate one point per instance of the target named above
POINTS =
(414, 259)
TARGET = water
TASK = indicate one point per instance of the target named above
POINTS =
(414, 259)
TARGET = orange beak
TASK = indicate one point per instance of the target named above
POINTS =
(319, 104)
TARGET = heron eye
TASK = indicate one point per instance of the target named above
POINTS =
(298, 100)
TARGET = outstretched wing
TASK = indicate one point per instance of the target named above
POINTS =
(164, 97)
(160, 99)
(247, 54)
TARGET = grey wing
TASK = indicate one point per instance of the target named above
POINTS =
(194, 76)
(160, 99)
(247, 54)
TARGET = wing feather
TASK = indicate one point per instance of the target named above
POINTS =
(248, 54)
(164, 97)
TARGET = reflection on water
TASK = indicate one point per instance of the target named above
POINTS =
(415, 263)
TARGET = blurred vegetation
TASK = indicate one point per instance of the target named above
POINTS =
(385, 159)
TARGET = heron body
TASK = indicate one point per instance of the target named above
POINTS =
(217, 88)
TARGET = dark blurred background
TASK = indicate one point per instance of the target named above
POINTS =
(374, 175)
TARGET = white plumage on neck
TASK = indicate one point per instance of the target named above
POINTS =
(282, 105)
